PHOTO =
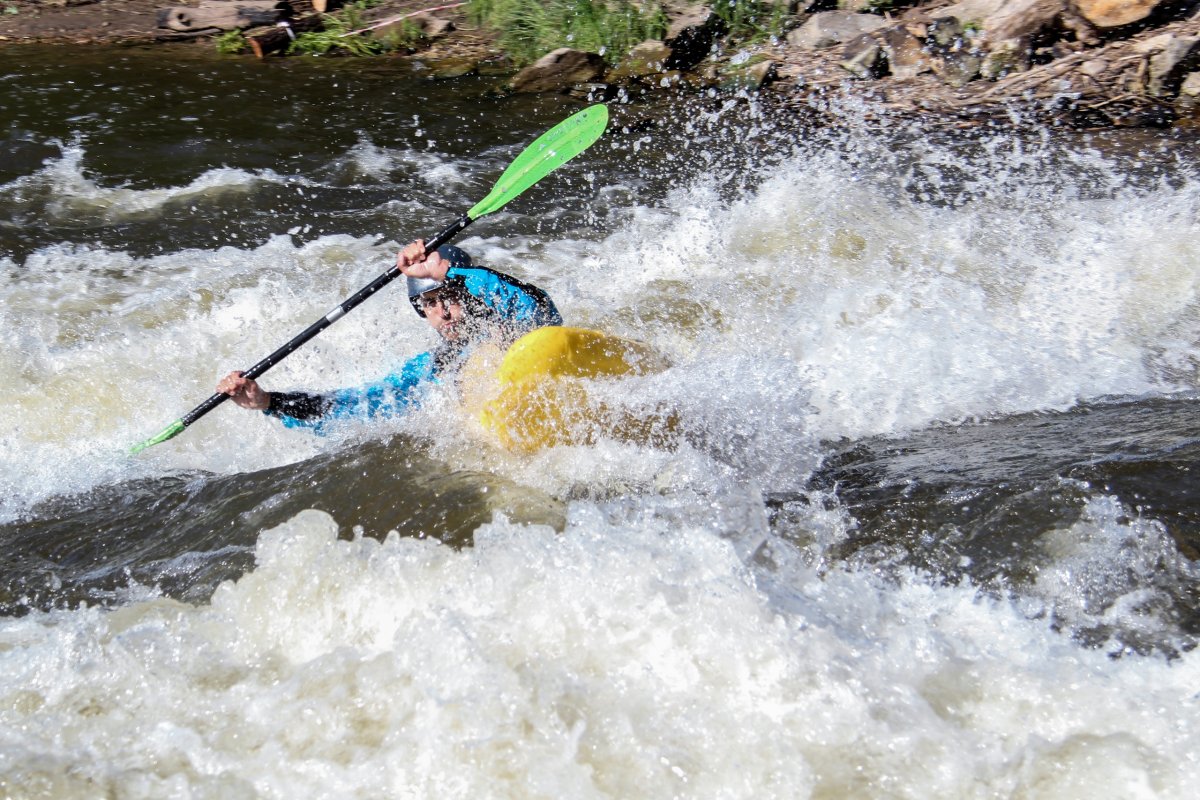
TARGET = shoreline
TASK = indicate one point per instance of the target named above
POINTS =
(1082, 81)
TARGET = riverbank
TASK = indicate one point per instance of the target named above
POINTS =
(964, 63)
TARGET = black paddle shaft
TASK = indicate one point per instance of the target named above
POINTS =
(324, 322)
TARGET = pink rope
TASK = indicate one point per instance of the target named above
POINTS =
(390, 20)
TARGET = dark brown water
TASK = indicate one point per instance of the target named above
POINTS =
(932, 511)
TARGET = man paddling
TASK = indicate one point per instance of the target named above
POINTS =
(465, 304)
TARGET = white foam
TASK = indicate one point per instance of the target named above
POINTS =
(62, 191)
(635, 655)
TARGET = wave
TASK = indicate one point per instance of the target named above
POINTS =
(511, 668)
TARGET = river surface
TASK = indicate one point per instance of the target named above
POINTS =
(927, 527)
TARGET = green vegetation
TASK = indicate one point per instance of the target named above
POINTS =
(12, 10)
(528, 29)
(531, 28)
(402, 36)
(751, 20)
(332, 39)
(231, 42)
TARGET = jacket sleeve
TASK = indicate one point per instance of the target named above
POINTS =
(388, 397)
(510, 299)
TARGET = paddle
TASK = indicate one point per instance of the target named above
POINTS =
(549, 151)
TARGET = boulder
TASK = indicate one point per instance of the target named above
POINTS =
(432, 27)
(1006, 57)
(1155, 44)
(1191, 86)
(647, 58)
(558, 70)
(691, 43)
(750, 77)
(863, 58)
(1169, 66)
(829, 28)
(956, 59)
(696, 16)
(453, 67)
(1030, 18)
(1189, 95)
(906, 55)
(958, 69)
(422, 26)
(970, 10)
(1115, 13)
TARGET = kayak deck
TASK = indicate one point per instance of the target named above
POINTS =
(540, 392)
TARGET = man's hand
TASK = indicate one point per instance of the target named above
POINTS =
(244, 392)
(413, 263)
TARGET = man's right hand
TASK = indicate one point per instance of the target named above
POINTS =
(244, 392)
(412, 262)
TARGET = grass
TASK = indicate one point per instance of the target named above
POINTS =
(750, 20)
(231, 42)
(531, 28)
(528, 29)
(330, 39)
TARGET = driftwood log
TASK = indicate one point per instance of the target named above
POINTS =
(224, 15)
(279, 37)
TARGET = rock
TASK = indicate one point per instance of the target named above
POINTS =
(1188, 103)
(1005, 58)
(432, 27)
(1155, 44)
(452, 67)
(495, 66)
(1032, 18)
(691, 44)
(647, 58)
(828, 28)
(945, 33)
(750, 78)
(1083, 30)
(697, 16)
(558, 70)
(1167, 68)
(956, 60)
(863, 58)
(1115, 13)
(420, 26)
(905, 53)
(970, 10)
(959, 69)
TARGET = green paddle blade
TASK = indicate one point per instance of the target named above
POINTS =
(169, 432)
(548, 152)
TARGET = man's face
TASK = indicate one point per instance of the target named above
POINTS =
(444, 311)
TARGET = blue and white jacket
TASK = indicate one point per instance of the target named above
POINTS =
(506, 309)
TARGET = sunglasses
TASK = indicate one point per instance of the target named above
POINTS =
(436, 298)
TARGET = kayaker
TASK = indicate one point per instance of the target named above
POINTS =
(465, 304)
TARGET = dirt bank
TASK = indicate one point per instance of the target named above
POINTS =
(1071, 74)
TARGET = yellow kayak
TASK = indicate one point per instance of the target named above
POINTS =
(538, 397)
